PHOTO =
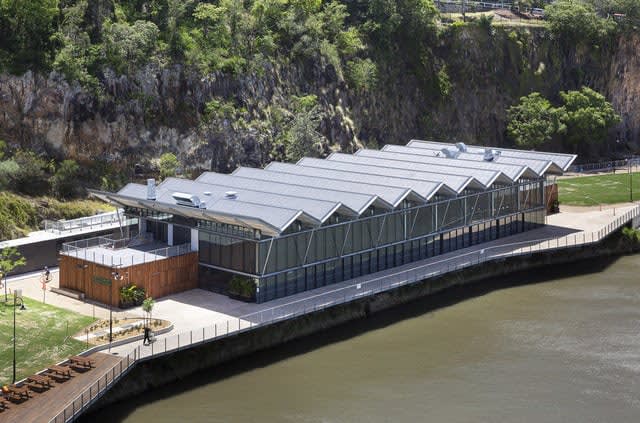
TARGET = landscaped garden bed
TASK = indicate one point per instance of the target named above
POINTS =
(130, 327)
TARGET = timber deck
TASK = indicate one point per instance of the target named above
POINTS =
(46, 405)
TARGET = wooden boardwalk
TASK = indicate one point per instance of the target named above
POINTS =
(44, 406)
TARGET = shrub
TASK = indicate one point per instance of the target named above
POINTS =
(65, 183)
(168, 165)
(242, 287)
(8, 171)
(131, 295)
(31, 177)
(362, 74)
(631, 234)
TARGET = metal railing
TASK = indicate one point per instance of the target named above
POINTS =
(93, 250)
(82, 223)
(607, 166)
(331, 295)
(91, 394)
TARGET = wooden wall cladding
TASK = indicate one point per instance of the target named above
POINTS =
(159, 278)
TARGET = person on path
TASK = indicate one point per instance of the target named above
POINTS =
(147, 338)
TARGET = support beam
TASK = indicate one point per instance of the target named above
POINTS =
(170, 233)
(195, 244)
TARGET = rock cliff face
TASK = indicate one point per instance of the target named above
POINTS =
(165, 109)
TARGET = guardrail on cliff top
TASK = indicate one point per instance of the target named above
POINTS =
(330, 296)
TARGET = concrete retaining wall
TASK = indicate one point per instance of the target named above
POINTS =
(166, 369)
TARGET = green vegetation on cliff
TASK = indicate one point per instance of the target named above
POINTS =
(585, 116)
(115, 84)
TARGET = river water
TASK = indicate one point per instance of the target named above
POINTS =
(548, 346)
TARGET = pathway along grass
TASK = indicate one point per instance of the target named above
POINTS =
(598, 189)
(43, 337)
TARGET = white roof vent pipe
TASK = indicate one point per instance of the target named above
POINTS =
(232, 195)
(462, 147)
(151, 189)
(449, 152)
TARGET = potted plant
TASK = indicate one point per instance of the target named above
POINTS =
(242, 288)
(131, 296)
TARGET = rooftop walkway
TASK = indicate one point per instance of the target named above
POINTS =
(64, 228)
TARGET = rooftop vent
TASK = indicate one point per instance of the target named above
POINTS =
(490, 155)
(449, 152)
(183, 199)
(462, 147)
(231, 195)
(151, 189)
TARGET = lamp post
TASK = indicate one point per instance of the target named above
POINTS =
(22, 307)
(630, 180)
(117, 277)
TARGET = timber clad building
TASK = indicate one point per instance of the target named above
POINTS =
(295, 227)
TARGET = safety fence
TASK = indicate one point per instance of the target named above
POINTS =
(330, 296)
(89, 222)
(606, 166)
(121, 252)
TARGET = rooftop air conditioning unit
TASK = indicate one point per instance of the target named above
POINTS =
(183, 199)
(449, 152)
(462, 147)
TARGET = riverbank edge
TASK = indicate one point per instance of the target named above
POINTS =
(161, 371)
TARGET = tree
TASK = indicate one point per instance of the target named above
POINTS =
(147, 307)
(577, 22)
(587, 115)
(64, 183)
(128, 46)
(534, 121)
(302, 139)
(26, 27)
(168, 165)
(10, 259)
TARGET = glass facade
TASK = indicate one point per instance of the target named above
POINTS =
(310, 258)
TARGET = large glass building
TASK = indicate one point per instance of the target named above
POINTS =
(295, 227)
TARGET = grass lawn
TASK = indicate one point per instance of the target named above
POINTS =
(41, 331)
(598, 189)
